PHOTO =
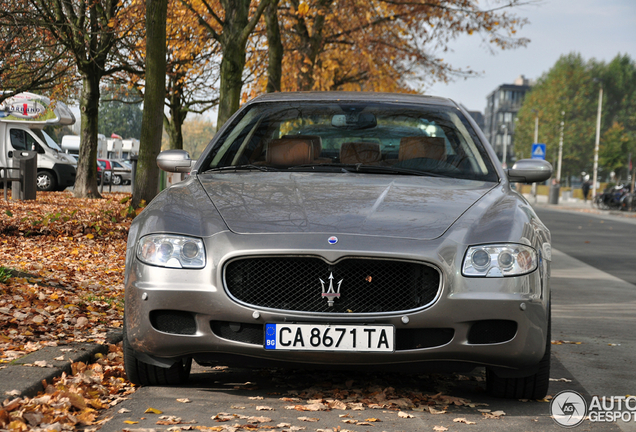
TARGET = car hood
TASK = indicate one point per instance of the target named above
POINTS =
(363, 204)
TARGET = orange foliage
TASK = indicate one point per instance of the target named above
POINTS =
(376, 45)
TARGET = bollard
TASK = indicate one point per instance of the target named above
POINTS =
(133, 175)
(26, 188)
(553, 197)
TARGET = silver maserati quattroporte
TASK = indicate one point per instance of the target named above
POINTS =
(342, 230)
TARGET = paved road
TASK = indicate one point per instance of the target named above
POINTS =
(593, 306)
(605, 242)
(594, 300)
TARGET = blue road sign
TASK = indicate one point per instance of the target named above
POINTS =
(538, 151)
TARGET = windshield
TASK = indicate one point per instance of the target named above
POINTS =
(47, 139)
(379, 138)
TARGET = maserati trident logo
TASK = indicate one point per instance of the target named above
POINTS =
(330, 294)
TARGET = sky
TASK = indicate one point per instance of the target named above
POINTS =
(599, 29)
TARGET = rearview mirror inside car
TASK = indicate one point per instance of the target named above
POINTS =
(354, 120)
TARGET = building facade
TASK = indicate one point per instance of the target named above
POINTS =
(499, 118)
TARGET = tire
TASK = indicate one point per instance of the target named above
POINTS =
(530, 387)
(117, 180)
(46, 181)
(145, 374)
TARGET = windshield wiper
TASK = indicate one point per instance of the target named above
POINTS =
(379, 169)
(246, 167)
(324, 167)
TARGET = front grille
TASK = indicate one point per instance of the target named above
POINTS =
(368, 285)
(492, 331)
(173, 321)
(241, 332)
(409, 339)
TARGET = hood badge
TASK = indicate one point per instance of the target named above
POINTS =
(332, 240)
(330, 294)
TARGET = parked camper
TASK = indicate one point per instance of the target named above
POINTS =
(22, 118)
(130, 147)
(71, 145)
(113, 149)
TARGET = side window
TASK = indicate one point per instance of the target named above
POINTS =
(22, 140)
(18, 139)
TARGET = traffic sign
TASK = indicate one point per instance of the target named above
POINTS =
(538, 151)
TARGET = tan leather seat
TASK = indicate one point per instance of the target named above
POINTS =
(316, 141)
(360, 152)
(289, 152)
(422, 147)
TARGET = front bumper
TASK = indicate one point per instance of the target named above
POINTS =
(65, 174)
(462, 304)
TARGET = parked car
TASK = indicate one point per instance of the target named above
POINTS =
(121, 173)
(342, 229)
(101, 172)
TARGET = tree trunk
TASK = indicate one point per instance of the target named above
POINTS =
(174, 128)
(147, 175)
(236, 29)
(311, 44)
(174, 123)
(231, 82)
(275, 65)
(86, 179)
(233, 62)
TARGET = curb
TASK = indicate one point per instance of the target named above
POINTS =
(21, 378)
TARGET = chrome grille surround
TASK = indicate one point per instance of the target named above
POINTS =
(369, 285)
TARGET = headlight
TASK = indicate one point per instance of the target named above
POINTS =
(171, 251)
(499, 260)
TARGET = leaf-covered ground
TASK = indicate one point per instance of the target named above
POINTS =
(61, 281)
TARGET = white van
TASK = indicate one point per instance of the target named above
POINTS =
(22, 118)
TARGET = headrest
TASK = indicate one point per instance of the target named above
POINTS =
(360, 152)
(316, 141)
(422, 147)
(289, 152)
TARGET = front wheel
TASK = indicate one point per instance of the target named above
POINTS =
(46, 181)
(531, 387)
(147, 374)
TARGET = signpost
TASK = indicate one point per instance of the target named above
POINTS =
(538, 151)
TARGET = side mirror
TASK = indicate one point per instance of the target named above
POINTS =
(530, 171)
(177, 161)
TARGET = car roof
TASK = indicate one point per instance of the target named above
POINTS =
(325, 96)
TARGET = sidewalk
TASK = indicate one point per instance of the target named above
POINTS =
(576, 205)
(23, 377)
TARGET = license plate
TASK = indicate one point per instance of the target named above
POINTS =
(330, 337)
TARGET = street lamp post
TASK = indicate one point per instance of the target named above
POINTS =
(596, 144)
(560, 148)
(536, 141)
(505, 146)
